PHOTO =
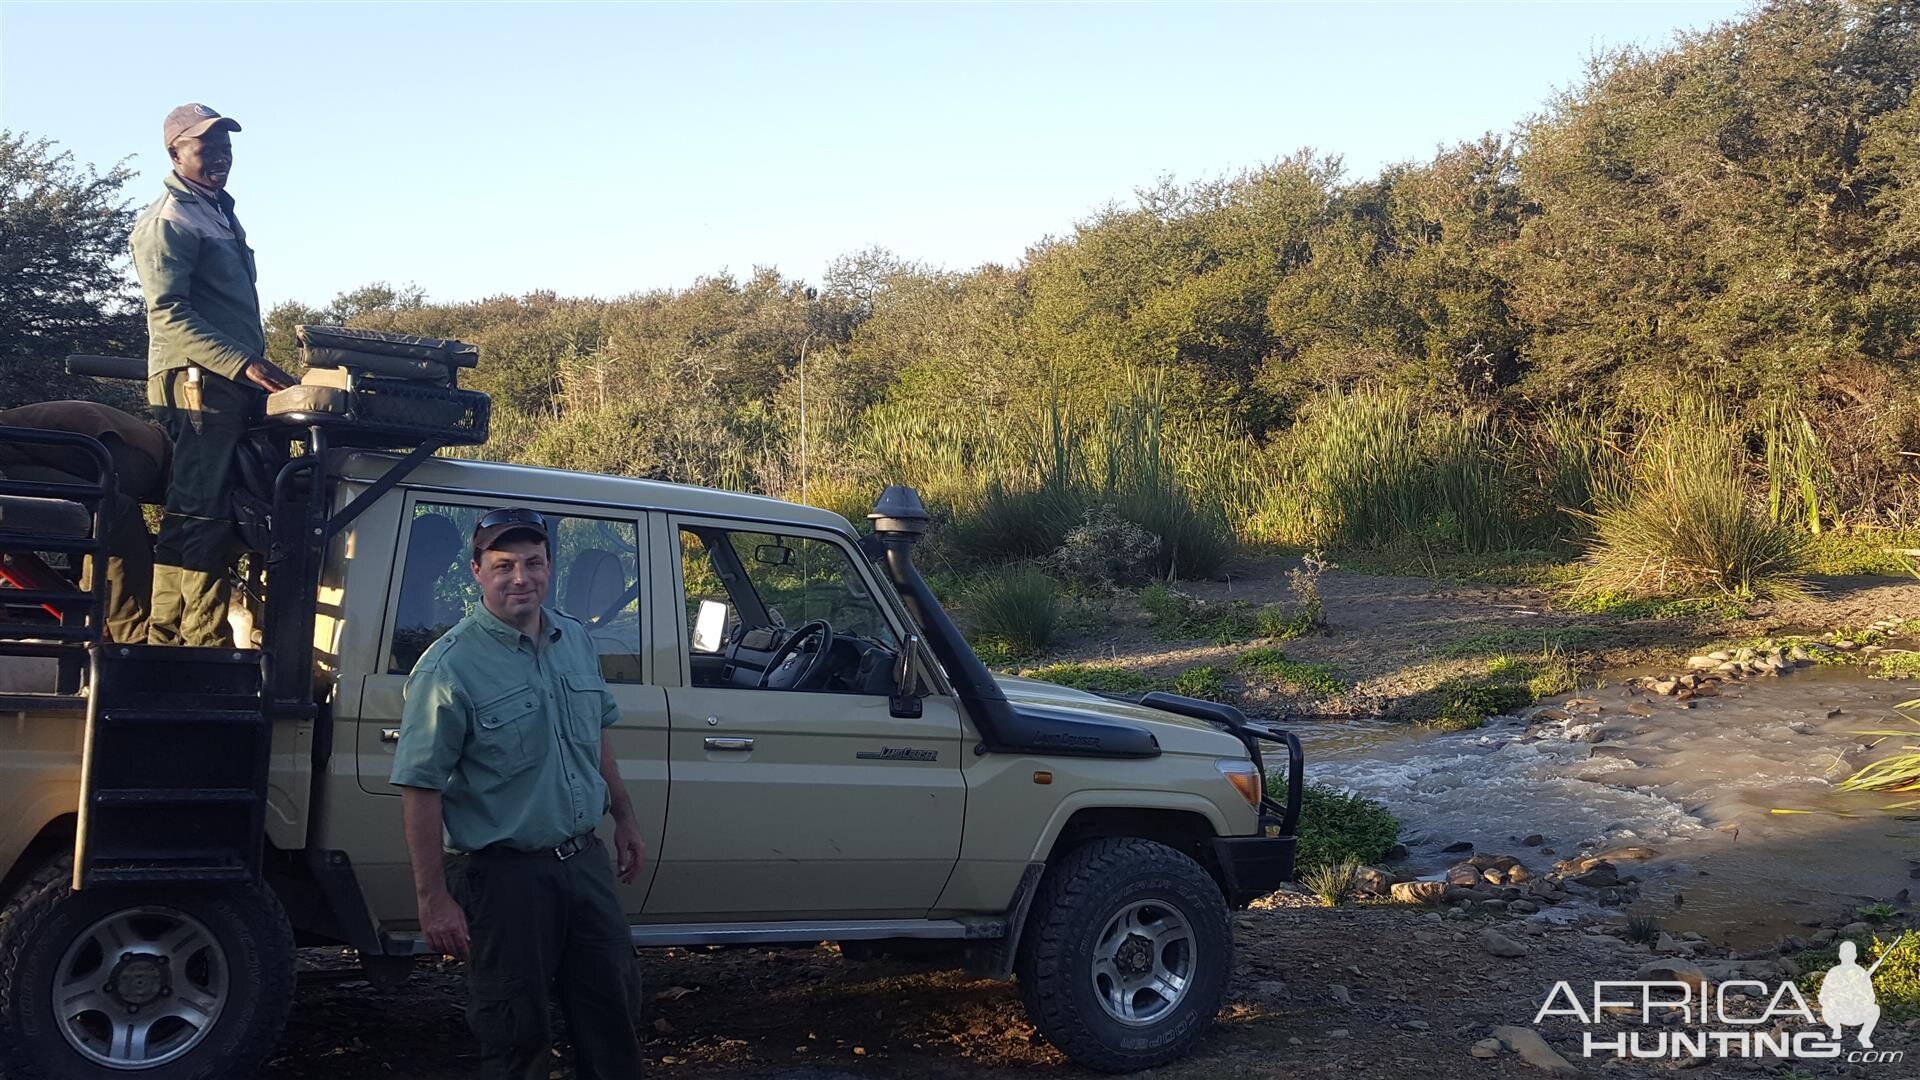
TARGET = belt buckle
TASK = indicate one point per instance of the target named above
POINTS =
(560, 852)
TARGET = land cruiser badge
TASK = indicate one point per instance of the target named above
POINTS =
(899, 753)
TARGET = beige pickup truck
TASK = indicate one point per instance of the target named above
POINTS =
(812, 751)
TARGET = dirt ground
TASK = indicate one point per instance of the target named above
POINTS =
(1421, 987)
(1422, 992)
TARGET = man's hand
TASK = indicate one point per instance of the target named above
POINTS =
(629, 851)
(444, 924)
(267, 375)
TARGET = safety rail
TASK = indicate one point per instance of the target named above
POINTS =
(31, 584)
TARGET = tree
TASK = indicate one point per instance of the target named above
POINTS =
(64, 281)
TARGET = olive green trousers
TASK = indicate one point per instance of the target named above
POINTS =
(194, 554)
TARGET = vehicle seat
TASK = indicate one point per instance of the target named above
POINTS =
(432, 550)
(44, 517)
(596, 581)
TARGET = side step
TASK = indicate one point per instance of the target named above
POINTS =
(175, 769)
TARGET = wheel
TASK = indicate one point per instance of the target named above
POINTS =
(168, 984)
(1126, 954)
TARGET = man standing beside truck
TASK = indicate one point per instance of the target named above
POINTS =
(505, 771)
(207, 371)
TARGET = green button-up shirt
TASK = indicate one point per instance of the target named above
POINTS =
(507, 729)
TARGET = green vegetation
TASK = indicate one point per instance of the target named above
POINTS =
(1685, 523)
(1899, 773)
(1332, 882)
(1898, 665)
(1896, 985)
(1201, 682)
(1318, 679)
(1862, 551)
(1643, 927)
(1018, 608)
(1337, 826)
(1513, 639)
(1695, 608)
(1497, 349)
(1097, 678)
(1463, 702)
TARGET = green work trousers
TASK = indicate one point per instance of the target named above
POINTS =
(541, 928)
(193, 556)
(129, 554)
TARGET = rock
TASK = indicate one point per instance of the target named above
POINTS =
(1701, 663)
(1456, 847)
(1494, 877)
(1800, 727)
(1856, 929)
(1395, 853)
(1586, 733)
(1340, 994)
(1486, 1048)
(1419, 892)
(1522, 907)
(1601, 876)
(1719, 655)
(1666, 943)
(1468, 894)
(1824, 937)
(1493, 862)
(1664, 686)
(1533, 840)
(1416, 1025)
(1501, 945)
(1519, 875)
(1534, 1050)
(1339, 1033)
(1270, 990)
(1368, 881)
(1799, 655)
(1462, 874)
(1640, 709)
(1670, 970)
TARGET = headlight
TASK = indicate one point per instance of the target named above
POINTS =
(1244, 777)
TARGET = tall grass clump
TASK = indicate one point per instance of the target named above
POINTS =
(1466, 484)
(1018, 608)
(1578, 464)
(1362, 468)
(1139, 472)
(1686, 524)
(1797, 467)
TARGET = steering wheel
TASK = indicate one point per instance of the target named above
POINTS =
(819, 628)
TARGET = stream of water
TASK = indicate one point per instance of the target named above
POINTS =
(1698, 785)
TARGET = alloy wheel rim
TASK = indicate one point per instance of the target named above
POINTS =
(1143, 962)
(140, 987)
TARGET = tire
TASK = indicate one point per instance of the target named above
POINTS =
(1086, 958)
(211, 969)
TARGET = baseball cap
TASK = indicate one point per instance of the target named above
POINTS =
(193, 120)
(496, 524)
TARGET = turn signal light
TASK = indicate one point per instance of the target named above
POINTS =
(1244, 777)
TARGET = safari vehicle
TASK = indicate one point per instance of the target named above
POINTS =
(812, 751)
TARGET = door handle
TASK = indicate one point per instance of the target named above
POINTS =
(729, 744)
(389, 734)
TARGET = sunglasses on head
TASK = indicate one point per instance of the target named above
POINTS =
(512, 515)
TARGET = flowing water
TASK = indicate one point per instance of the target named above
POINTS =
(1698, 785)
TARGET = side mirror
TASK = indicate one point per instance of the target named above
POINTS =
(710, 627)
(904, 702)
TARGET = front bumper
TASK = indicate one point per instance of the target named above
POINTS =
(1253, 866)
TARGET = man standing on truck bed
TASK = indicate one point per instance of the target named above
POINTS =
(503, 763)
(207, 370)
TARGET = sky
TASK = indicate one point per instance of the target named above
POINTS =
(602, 149)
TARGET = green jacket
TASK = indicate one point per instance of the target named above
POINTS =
(197, 274)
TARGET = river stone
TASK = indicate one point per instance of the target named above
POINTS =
(1522, 907)
(1371, 881)
(1856, 929)
(1500, 945)
(1824, 937)
(1493, 862)
(1719, 654)
(1519, 875)
(1462, 874)
(1533, 840)
(1601, 876)
(1340, 994)
(1419, 892)
(1664, 686)
(1456, 847)
(1534, 1050)
(1701, 663)
(1486, 1048)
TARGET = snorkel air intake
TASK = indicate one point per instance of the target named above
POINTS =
(899, 521)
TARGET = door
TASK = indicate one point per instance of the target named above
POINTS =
(596, 579)
(794, 792)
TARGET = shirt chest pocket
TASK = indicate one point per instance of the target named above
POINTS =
(504, 733)
(587, 702)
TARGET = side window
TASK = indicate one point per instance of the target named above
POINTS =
(595, 580)
(746, 592)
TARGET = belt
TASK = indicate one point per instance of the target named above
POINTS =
(564, 850)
